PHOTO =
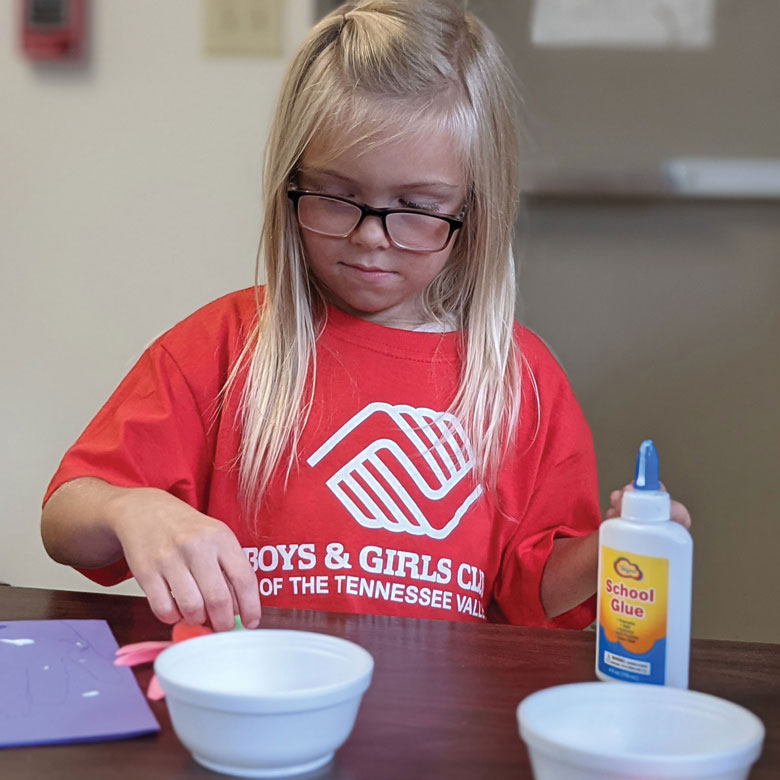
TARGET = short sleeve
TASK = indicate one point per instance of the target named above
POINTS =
(562, 501)
(150, 433)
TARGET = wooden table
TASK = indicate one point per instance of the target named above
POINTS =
(441, 705)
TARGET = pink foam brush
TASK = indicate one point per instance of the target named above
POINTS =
(138, 653)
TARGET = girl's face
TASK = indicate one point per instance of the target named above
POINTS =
(364, 274)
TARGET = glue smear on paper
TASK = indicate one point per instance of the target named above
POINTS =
(58, 683)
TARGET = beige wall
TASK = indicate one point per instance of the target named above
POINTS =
(665, 316)
(622, 112)
(129, 196)
(665, 311)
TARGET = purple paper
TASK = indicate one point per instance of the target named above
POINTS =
(58, 683)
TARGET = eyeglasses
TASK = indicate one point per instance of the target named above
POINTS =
(410, 229)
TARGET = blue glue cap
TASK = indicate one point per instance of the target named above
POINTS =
(646, 471)
(647, 501)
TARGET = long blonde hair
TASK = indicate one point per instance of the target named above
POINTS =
(357, 69)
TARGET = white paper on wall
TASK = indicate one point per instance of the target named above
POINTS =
(625, 24)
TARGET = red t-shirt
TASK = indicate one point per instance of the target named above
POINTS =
(381, 514)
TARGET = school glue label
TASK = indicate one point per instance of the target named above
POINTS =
(632, 616)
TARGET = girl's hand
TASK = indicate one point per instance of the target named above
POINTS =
(677, 511)
(189, 565)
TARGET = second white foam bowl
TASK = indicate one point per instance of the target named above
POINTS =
(628, 731)
(264, 703)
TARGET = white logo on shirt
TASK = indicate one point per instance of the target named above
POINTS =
(372, 493)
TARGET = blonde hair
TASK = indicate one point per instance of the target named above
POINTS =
(359, 67)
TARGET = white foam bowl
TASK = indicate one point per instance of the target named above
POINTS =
(628, 731)
(263, 703)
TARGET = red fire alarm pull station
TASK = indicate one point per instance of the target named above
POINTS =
(53, 29)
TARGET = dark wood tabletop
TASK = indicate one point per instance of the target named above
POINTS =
(441, 705)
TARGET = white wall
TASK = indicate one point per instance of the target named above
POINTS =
(129, 196)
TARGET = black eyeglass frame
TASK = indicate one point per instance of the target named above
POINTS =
(455, 222)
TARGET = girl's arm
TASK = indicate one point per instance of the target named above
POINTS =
(76, 523)
(569, 575)
(189, 565)
(571, 570)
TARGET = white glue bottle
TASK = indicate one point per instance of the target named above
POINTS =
(644, 586)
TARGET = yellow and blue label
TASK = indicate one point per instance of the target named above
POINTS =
(632, 616)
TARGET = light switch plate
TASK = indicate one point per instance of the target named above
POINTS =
(243, 28)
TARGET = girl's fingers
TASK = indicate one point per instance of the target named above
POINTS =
(187, 595)
(615, 500)
(243, 583)
(679, 513)
(236, 609)
(159, 597)
(177, 564)
(214, 592)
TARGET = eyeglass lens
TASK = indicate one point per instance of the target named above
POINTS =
(335, 218)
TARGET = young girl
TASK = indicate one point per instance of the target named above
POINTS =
(370, 432)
